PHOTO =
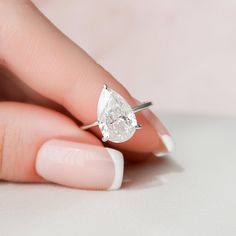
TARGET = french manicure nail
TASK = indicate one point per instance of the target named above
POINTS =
(162, 132)
(80, 165)
(168, 143)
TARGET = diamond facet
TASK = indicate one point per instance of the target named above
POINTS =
(116, 118)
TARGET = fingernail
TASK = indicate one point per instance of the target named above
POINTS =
(80, 165)
(165, 136)
(168, 143)
(162, 132)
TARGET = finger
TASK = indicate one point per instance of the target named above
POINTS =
(13, 89)
(58, 69)
(38, 145)
(20, 92)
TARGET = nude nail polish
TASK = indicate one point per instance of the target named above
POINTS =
(164, 135)
(80, 165)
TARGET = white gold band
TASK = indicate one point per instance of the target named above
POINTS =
(135, 109)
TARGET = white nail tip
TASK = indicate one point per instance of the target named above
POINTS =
(169, 145)
(118, 160)
(160, 154)
(168, 142)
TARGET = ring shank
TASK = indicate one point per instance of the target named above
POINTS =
(135, 109)
(94, 124)
(141, 106)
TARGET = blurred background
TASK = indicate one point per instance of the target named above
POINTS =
(180, 54)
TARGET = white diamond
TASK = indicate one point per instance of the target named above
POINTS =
(116, 118)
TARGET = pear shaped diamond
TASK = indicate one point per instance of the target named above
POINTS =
(116, 118)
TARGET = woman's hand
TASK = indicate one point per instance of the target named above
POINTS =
(48, 85)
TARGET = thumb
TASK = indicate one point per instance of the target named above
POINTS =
(38, 145)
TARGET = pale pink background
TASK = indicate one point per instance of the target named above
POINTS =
(180, 54)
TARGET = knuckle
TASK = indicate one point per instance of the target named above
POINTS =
(9, 152)
(9, 136)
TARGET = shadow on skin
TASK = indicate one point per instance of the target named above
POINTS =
(150, 173)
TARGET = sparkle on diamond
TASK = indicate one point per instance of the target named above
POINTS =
(116, 119)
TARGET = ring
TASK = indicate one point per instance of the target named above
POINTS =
(115, 117)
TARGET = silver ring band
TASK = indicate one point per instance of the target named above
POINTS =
(135, 109)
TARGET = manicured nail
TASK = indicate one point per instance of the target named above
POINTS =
(80, 165)
(168, 143)
(165, 137)
(162, 132)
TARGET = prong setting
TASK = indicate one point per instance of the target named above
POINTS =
(104, 139)
(105, 86)
(115, 117)
(138, 126)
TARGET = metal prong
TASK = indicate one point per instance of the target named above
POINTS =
(104, 139)
(105, 86)
(138, 126)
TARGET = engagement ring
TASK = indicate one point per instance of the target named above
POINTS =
(115, 117)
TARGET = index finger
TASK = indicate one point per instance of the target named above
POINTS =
(50, 63)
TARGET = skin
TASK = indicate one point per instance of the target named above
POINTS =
(44, 84)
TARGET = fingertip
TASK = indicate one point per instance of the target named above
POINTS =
(118, 161)
(80, 165)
